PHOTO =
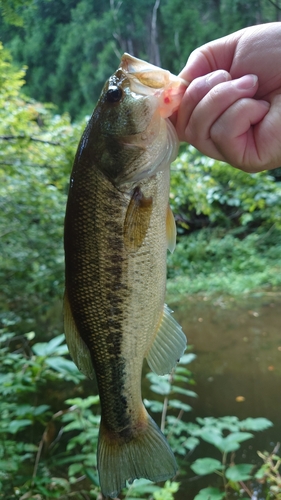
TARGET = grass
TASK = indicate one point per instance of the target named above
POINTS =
(210, 263)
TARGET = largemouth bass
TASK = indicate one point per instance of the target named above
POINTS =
(118, 226)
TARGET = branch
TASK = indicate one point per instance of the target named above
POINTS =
(30, 138)
(154, 44)
(275, 4)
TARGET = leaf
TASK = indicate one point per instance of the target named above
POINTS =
(186, 392)
(62, 365)
(175, 403)
(227, 444)
(210, 494)
(261, 473)
(159, 385)
(203, 466)
(92, 476)
(191, 443)
(38, 410)
(239, 472)
(187, 358)
(83, 403)
(255, 424)
(22, 410)
(163, 388)
(154, 406)
(238, 437)
(74, 468)
(142, 487)
(212, 437)
(17, 425)
(47, 348)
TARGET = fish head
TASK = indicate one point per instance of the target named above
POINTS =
(133, 136)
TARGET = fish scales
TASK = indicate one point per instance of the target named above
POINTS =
(113, 287)
(115, 256)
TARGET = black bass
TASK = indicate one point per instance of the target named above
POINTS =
(118, 226)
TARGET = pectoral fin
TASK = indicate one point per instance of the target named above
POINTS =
(137, 220)
(168, 346)
(171, 230)
(76, 345)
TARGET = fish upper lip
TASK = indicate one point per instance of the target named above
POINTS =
(144, 72)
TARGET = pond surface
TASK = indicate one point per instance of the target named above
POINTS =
(238, 365)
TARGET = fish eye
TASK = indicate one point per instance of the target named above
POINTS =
(114, 94)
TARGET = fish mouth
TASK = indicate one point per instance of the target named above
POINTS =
(148, 75)
(149, 80)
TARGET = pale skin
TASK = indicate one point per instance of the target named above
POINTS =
(231, 111)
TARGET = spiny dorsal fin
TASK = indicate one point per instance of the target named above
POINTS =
(171, 230)
(137, 220)
(76, 345)
(168, 346)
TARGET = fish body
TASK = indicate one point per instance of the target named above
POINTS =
(118, 226)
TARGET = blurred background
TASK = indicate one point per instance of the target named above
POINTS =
(224, 278)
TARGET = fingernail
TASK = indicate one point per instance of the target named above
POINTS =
(266, 104)
(245, 82)
(217, 77)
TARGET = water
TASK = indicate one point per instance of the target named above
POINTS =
(238, 365)
(237, 371)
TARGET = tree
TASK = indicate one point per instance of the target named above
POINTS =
(37, 150)
(72, 46)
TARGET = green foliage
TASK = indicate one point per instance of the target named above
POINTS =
(210, 494)
(25, 374)
(37, 150)
(64, 455)
(212, 261)
(269, 472)
(9, 10)
(222, 195)
(206, 465)
(225, 433)
(72, 46)
(229, 228)
(142, 489)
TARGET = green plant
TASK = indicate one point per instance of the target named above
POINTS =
(225, 434)
(46, 453)
(269, 473)
(49, 452)
(168, 386)
(27, 374)
(207, 192)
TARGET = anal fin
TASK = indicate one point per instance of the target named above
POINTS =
(76, 345)
(168, 346)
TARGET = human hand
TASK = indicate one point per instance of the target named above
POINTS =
(231, 111)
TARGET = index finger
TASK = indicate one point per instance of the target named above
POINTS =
(212, 56)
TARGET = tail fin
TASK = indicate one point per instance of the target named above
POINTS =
(147, 455)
